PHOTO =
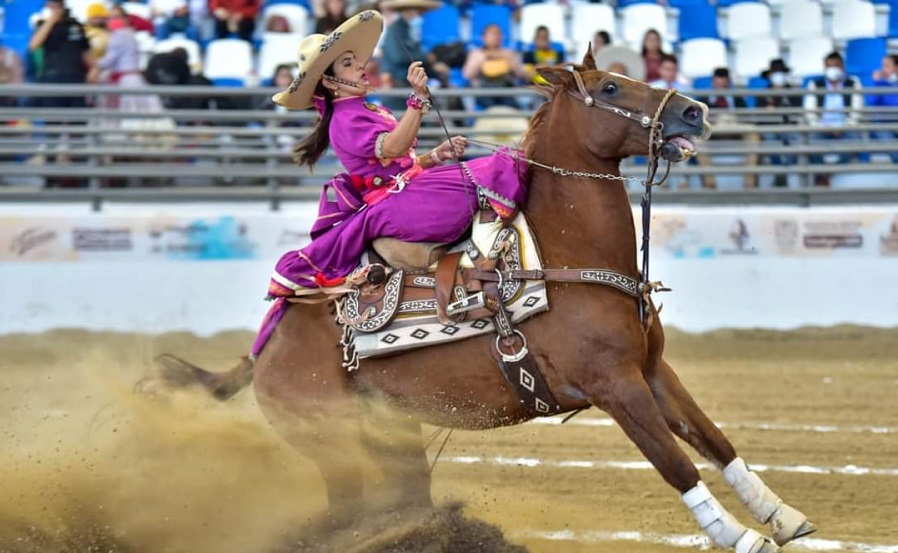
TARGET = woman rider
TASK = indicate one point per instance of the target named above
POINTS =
(389, 190)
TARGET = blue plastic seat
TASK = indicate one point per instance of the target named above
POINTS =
(755, 83)
(441, 26)
(864, 55)
(701, 83)
(487, 14)
(697, 20)
(728, 3)
(680, 3)
(17, 15)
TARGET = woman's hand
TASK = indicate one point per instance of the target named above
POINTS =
(452, 148)
(417, 78)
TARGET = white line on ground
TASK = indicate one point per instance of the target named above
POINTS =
(697, 540)
(531, 462)
(821, 428)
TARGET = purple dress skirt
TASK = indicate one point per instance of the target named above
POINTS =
(380, 197)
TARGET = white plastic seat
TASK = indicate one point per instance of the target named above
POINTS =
(748, 20)
(297, 17)
(699, 57)
(806, 55)
(277, 49)
(229, 58)
(853, 19)
(146, 45)
(550, 14)
(636, 19)
(194, 56)
(588, 19)
(753, 55)
(800, 18)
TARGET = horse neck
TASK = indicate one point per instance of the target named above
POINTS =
(581, 222)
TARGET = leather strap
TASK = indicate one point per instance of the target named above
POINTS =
(447, 269)
(624, 283)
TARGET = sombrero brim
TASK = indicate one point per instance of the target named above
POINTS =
(358, 34)
(410, 4)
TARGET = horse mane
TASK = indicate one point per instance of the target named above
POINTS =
(538, 120)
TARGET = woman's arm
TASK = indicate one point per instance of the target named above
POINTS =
(471, 69)
(400, 139)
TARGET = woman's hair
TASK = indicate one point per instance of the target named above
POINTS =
(310, 150)
(646, 36)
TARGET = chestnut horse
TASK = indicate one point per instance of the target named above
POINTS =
(591, 347)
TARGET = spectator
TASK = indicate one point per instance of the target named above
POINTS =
(777, 76)
(168, 68)
(282, 77)
(12, 71)
(886, 77)
(401, 44)
(670, 73)
(277, 24)
(619, 68)
(721, 99)
(335, 15)
(493, 66)
(600, 40)
(652, 55)
(235, 17)
(95, 29)
(833, 103)
(66, 57)
(170, 16)
(542, 53)
(720, 81)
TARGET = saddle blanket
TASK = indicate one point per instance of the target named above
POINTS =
(416, 324)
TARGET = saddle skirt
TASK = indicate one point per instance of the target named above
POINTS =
(403, 314)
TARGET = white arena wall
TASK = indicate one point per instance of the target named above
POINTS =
(204, 267)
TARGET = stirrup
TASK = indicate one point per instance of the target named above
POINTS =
(470, 303)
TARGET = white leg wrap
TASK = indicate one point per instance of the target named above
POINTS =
(765, 506)
(721, 527)
(752, 492)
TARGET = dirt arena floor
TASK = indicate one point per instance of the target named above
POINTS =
(90, 465)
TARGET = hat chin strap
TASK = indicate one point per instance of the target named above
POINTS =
(353, 84)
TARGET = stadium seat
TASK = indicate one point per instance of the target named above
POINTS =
(699, 57)
(146, 45)
(751, 56)
(276, 50)
(636, 19)
(727, 3)
(697, 20)
(701, 83)
(680, 3)
(550, 14)
(587, 19)
(139, 9)
(755, 83)
(441, 26)
(853, 19)
(800, 18)
(194, 55)
(747, 20)
(228, 60)
(17, 15)
(296, 15)
(863, 55)
(487, 14)
(806, 55)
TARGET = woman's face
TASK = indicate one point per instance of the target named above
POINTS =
(492, 37)
(283, 77)
(349, 68)
(336, 7)
(652, 42)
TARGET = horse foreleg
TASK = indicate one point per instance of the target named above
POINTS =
(689, 422)
(630, 402)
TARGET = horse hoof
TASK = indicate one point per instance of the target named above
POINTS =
(789, 524)
(753, 542)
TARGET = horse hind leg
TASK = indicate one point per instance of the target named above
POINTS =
(630, 402)
(689, 422)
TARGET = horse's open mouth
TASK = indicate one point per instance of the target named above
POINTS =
(677, 148)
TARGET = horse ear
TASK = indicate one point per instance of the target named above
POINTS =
(555, 75)
(589, 61)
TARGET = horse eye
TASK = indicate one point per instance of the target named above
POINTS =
(609, 89)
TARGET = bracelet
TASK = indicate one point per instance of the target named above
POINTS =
(435, 157)
(418, 103)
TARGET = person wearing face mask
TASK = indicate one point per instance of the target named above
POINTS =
(402, 44)
(776, 105)
(886, 77)
(834, 104)
(389, 189)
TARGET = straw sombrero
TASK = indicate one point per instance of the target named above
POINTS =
(358, 34)
(423, 5)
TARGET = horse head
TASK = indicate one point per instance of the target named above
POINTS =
(612, 116)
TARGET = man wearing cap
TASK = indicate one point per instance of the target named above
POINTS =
(777, 77)
(96, 30)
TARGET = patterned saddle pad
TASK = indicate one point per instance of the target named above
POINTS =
(406, 318)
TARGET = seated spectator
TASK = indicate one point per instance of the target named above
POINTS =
(493, 66)
(12, 71)
(95, 29)
(136, 22)
(335, 14)
(542, 53)
(277, 24)
(170, 16)
(281, 79)
(402, 42)
(886, 77)
(777, 76)
(235, 17)
(721, 85)
(721, 100)
(833, 103)
(652, 55)
(600, 40)
(670, 74)
(168, 68)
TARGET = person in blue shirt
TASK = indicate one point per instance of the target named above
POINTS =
(886, 77)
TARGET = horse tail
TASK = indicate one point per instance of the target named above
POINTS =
(178, 373)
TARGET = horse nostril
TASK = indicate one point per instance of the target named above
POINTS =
(692, 114)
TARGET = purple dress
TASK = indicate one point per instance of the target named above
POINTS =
(392, 198)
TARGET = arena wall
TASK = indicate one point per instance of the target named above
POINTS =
(204, 268)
